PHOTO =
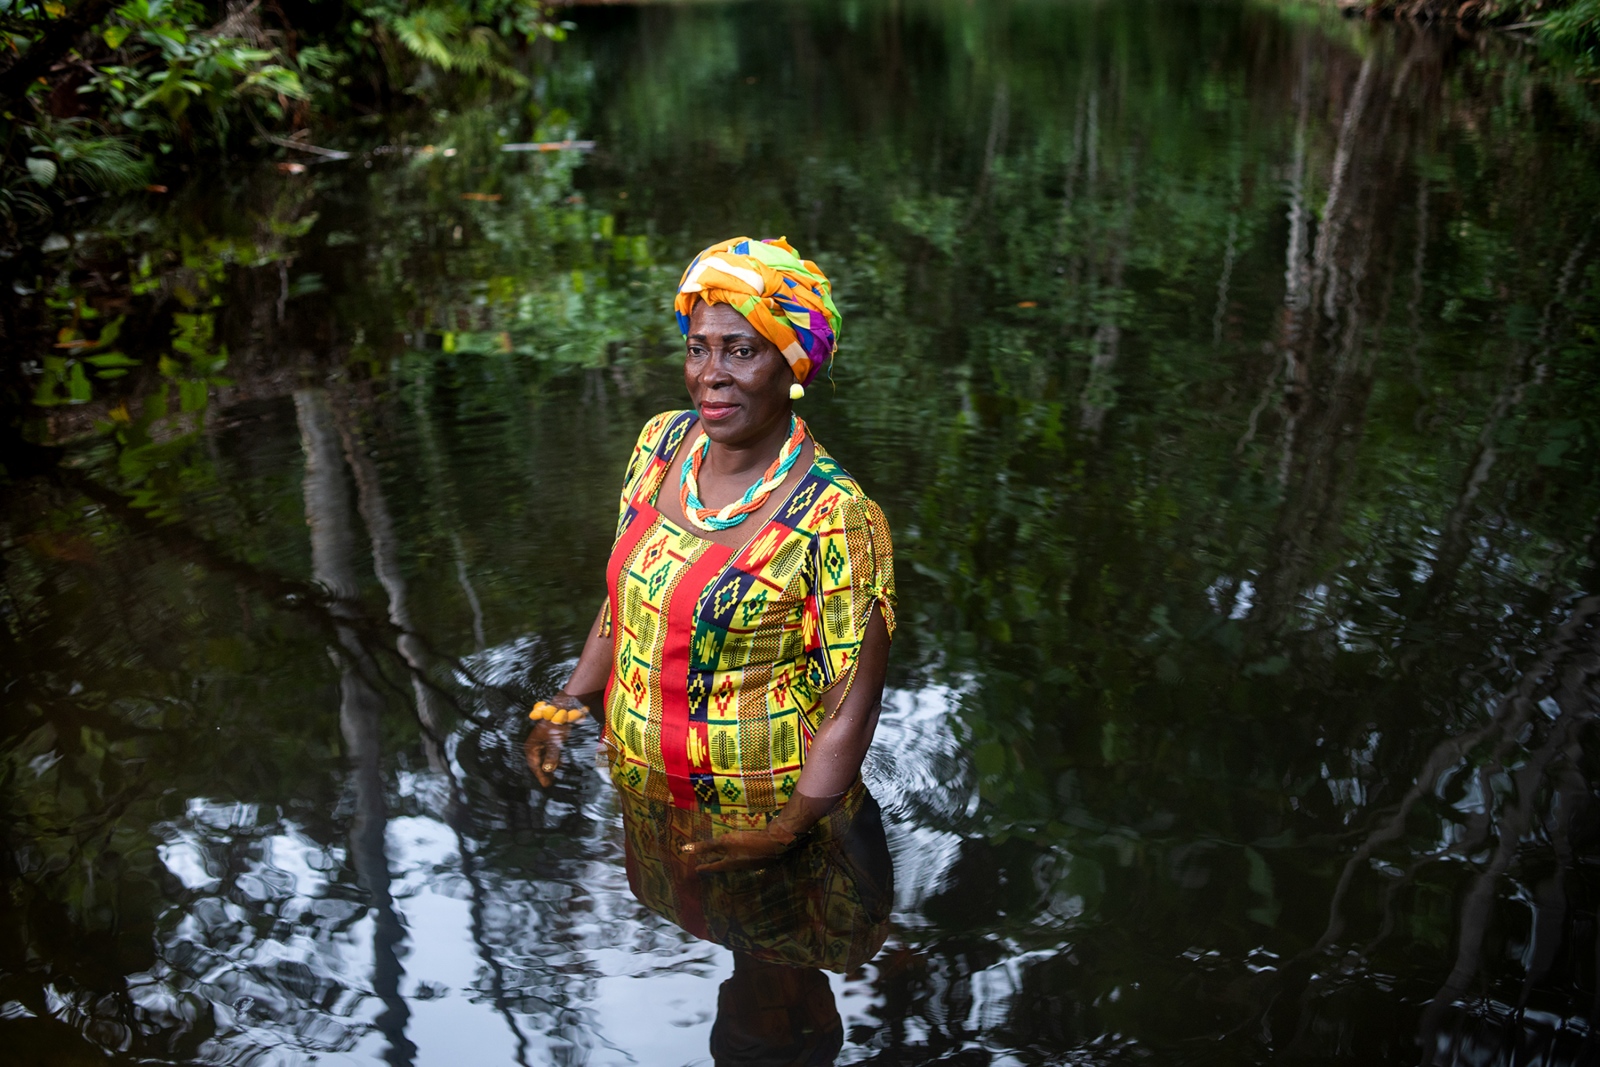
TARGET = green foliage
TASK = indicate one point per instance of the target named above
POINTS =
(1574, 31)
(1567, 31)
(449, 38)
(64, 379)
(467, 38)
(195, 77)
(20, 200)
(79, 156)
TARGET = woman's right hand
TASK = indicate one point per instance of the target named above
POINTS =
(560, 709)
(553, 720)
(739, 851)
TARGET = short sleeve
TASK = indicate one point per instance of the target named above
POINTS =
(854, 560)
(639, 465)
(644, 450)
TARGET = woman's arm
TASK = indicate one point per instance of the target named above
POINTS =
(588, 680)
(831, 767)
(839, 747)
(585, 689)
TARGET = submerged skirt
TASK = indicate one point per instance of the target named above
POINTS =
(824, 903)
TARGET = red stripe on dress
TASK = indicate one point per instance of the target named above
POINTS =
(678, 616)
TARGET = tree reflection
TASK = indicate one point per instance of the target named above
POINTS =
(332, 526)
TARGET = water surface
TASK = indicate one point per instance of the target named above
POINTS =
(1228, 375)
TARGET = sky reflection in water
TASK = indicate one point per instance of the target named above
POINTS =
(1228, 377)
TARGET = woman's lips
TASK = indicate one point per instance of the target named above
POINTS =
(717, 411)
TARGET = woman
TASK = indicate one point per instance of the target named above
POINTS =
(744, 641)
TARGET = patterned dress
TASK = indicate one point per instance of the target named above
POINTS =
(825, 903)
(720, 656)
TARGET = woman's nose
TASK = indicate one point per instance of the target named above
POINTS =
(715, 371)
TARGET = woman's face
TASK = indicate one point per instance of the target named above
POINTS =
(738, 380)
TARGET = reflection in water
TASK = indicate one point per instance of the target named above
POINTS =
(332, 526)
(386, 562)
(772, 1015)
(824, 905)
(325, 424)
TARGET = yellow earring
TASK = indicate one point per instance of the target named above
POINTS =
(796, 391)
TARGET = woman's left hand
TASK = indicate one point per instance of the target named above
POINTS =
(740, 851)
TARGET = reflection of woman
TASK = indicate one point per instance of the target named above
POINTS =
(743, 645)
(824, 904)
(773, 1016)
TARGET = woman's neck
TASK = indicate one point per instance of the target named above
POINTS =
(747, 457)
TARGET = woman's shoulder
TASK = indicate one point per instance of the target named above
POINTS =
(831, 472)
(836, 500)
(659, 427)
(851, 525)
(659, 437)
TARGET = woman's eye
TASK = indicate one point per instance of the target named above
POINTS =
(743, 353)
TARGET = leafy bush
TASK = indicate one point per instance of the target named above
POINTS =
(1575, 30)
(467, 39)
(152, 77)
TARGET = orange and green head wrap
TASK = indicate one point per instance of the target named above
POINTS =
(786, 298)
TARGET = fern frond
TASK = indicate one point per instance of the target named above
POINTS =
(19, 204)
(426, 32)
(107, 164)
(444, 37)
(104, 163)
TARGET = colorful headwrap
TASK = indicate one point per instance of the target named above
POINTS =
(786, 298)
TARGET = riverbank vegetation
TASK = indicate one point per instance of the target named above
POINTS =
(1567, 31)
(101, 98)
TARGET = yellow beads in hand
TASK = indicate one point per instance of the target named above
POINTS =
(559, 716)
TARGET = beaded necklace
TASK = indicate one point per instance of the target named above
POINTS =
(754, 497)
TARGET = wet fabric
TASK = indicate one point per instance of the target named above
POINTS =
(786, 298)
(721, 655)
(825, 903)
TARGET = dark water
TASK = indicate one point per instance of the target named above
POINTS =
(1229, 374)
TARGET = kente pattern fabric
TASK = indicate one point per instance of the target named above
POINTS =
(720, 656)
(786, 298)
(825, 903)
